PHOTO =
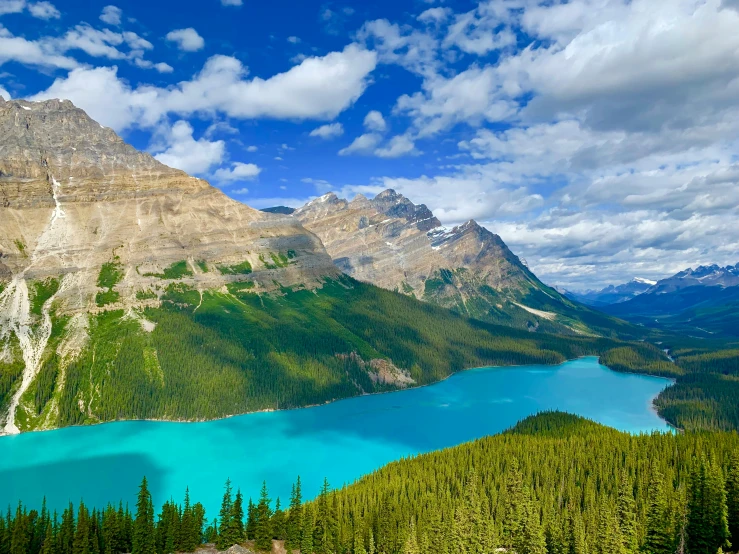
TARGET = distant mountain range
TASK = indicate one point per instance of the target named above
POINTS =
(612, 294)
(703, 301)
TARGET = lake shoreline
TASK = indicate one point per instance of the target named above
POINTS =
(652, 407)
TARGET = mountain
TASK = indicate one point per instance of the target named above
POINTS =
(131, 290)
(702, 301)
(392, 243)
(612, 294)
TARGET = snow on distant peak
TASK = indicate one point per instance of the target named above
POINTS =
(644, 281)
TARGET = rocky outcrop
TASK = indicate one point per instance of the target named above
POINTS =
(397, 245)
(74, 196)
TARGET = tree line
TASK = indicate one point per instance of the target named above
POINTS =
(554, 484)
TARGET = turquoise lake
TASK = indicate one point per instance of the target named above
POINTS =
(340, 441)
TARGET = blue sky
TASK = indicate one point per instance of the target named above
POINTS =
(597, 137)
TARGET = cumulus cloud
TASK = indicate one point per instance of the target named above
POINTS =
(196, 157)
(374, 121)
(331, 130)
(363, 144)
(398, 146)
(187, 40)
(318, 88)
(5, 94)
(44, 10)
(12, 6)
(238, 172)
(33, 53)
(111, 15)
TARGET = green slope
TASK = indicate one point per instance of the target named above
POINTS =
(222, 353)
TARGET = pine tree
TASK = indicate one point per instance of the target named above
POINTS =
(514, 506)
(224, 540)
(294, 517)
(732, 499)
(251, 521)
(411, 542)
(263, 531)
(278, 522)
(306, 539)
(532, 536)
(371, 544)
(627, 515)
(143, 526)
(359, 538)
(19, 537)
(658, 535)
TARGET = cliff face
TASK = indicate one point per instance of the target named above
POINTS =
(391, 242)
(397, 245)
(74, 196)
(89, 224)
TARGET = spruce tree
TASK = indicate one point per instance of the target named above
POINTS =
(278, 522)
(411, 542)
(251, 521)
(224, 540)
(143, 540)
(627, 515)
(294, 517)
(515, 506)
(658, 534)
(532, 536)
(306, 538)
(263, 531)
(732, 499)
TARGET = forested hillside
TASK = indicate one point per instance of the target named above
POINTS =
(211, 354)
(555, 484)
(706, 392)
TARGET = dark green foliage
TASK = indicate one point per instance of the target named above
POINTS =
(243, 268)
(41, 291)
(110, 275)
(143, 540)
(701, 401)
(588, 490)
(177, 270)
(10, 370)
(106, 297)
(262, 525)
(220, 354)
(203, 265)
(146, 295)
(640, 358)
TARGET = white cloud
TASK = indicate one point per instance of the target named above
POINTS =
(374, 121)
(188, 40)
(192, 156)
(34, 53)
(111, 15)
(12, 6)
(434, 15)
(331, 130)
(44, 10)
(232, 2)
(240, 192)
(5, 94)
(363, 144)
(318, 88)
(400, 145)
(162, 67)
(293, 40)
(251, 148)
(238, 172)
(414, 50)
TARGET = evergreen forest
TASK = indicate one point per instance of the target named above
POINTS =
(553, 484)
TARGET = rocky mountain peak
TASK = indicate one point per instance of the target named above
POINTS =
(54, 141)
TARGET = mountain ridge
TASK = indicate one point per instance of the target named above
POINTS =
(395, 244)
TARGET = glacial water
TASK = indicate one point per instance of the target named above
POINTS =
(341, 441)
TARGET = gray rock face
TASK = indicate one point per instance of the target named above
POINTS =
(395, 244)
(74, 195)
